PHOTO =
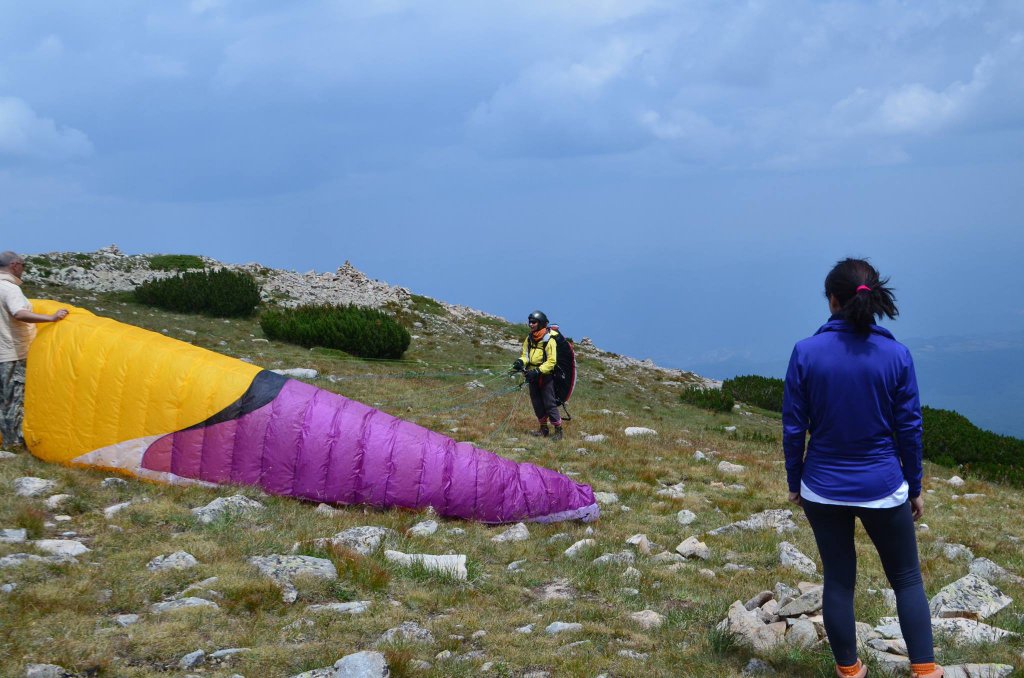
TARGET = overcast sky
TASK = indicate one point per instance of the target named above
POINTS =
(672, 179)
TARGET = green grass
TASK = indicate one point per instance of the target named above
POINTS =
(77, 603)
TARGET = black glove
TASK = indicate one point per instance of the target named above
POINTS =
(517, 366)
(532, 375)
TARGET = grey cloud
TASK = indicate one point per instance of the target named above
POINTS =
(26, 135)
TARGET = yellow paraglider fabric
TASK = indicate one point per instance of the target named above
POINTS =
(93, 382)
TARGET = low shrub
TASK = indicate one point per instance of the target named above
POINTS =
(950, 439)
(712, 399)
(763, 392)
(364, 332)
(175, 262)
(221, 293)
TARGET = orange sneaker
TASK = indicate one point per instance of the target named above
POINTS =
(858, 670)
(926, 671)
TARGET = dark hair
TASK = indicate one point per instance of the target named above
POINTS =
(859, 306)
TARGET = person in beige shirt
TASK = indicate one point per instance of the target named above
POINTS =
(17, 329)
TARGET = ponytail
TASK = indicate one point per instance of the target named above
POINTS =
(861, 293)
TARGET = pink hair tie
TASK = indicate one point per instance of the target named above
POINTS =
(863, 288)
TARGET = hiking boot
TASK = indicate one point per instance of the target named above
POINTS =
(557, 435)
(861, 671)
(542, 432)
(937, 672)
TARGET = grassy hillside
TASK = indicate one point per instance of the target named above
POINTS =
(65, 614)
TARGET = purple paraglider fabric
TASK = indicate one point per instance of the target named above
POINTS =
(317, 445)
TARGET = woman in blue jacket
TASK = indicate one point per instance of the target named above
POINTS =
(852, 387)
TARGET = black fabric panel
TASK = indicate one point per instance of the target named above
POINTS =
(264, 388)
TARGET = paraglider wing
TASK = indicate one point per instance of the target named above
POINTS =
(105, 394)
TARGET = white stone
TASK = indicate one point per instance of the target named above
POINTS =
(45, 671)
(517, 532)
(641, 542)
(364, 540)
(221, 506)
(730, 468)
(647, 619)
(595, 438)
(113, 482)
(30, 486)
(969, 596)
(956, 552)
(685, 517)
(353, 607)
(61, 547)
(606, 498)
(451, 564)
(298, 373)
(182, 604)
(780, 520)
(191, 660)
(13, 536)
(179, 560)
(573, 550)
(423, 528)
(677, 491)
(562, 627)
(111, 511)
(691, 547)
(634, 431)
(790, 556)
(699, 456)
(126, 619)
(284, 568)
(956, 481)
(53, 503)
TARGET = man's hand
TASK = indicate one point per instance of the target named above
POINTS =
(917, 507)
(517, 366)
(532, 375)
(794, 498)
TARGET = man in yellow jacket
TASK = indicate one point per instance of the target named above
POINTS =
(540, 355)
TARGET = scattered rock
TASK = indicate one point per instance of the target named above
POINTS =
(730, 469)
(606, 498)
(807, 603)
(595, 438)
(956, 552)
(970, 596)
(407, 632)
(780, 520)
(235, 505)
(364, 540)
(353, 607)
(620, 558)
(634, 431)
(559, 589)
(126, 619)
(978, 671)
(179, 560)
(452, 564)
(641, 542)
(685, 517)
(956, 481)
(516, 565)
(47, 671)
(562, 627)
(676, 491)
(182, 604)
(53, 503)
(111, 511)
(647, 619)
(365, 664)
(691, 547)
(961, 629)
(298, 372)
(751, 631)
(517, 532)
(802, 634)
(758, 667)
(790, 556)
(991, 572)
(285, 568)
(422, 529)
(114, 482)
(30, 486)
(582, 544)
(191, 660)
(13, 536)
(61, 547)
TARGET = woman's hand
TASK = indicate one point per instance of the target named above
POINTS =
(917, 507)
(794, 498)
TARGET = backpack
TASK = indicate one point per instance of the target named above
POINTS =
(565, 366)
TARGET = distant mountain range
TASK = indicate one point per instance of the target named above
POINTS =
(981, 377)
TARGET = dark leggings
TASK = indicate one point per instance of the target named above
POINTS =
(892, 531)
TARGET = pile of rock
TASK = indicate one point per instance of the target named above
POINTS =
(788, 616)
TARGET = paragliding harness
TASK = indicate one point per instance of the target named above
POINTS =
(564, 374)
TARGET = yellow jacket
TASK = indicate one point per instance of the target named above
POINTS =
(535, 356)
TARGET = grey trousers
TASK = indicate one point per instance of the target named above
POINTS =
(12, 401)
(542, 395)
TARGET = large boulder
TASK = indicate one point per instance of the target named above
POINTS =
(971, 597)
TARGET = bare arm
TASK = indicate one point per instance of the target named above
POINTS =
(26, 316)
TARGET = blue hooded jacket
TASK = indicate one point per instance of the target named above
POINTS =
(857, 396)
